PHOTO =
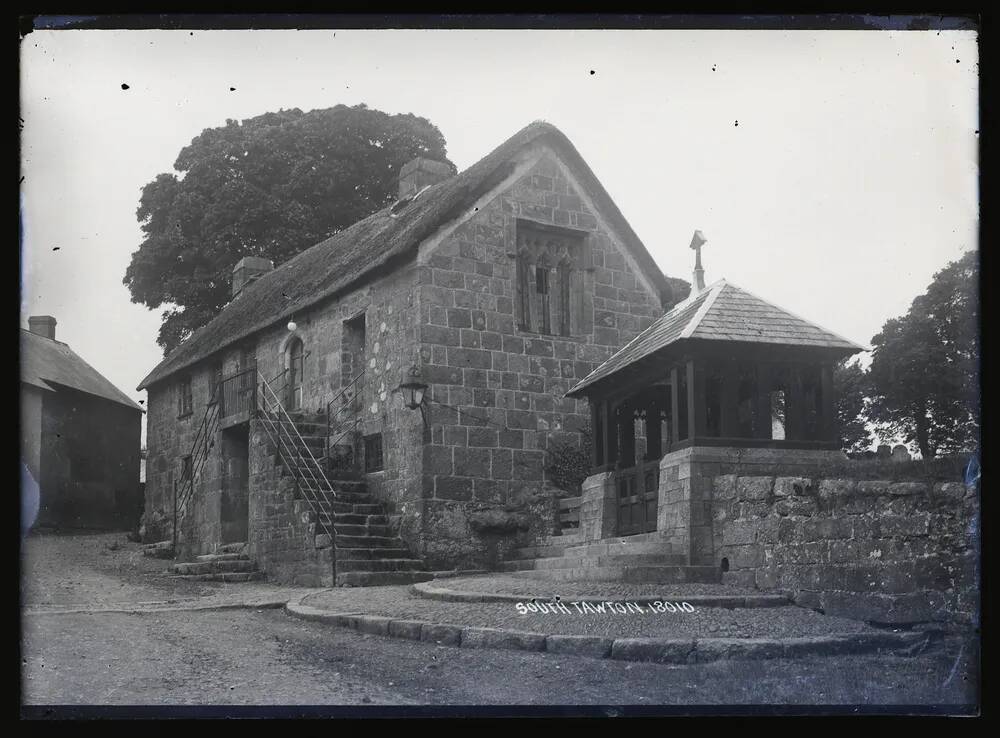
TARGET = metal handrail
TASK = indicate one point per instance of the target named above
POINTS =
(286, 443)
(199, 456)
(330, 415)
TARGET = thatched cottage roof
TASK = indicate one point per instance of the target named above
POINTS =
(355, 253)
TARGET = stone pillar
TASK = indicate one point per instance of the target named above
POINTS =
(598, 514)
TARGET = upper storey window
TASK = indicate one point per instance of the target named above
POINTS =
(550, 268)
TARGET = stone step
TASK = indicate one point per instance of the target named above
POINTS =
(357, 519)
(630, 574)
(214, 567)
(159, 550)
(621, 546)
(222, 557)
(231, 548)
(362, 530)
(345, 565)
(354, 554)
(248, 576)
(348, 542)
(380, 578)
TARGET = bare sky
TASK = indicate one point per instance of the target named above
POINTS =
(833, 172)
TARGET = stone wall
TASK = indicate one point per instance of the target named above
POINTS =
(684, 510)
(88, 453)
(496, 398)
(878, 551)
(282, 530)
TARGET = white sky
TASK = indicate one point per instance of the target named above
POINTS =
(850, 179)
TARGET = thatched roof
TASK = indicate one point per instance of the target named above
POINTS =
(721, 312)
(50, 364)
(355, 253)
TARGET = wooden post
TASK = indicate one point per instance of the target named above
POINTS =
(597, 439)
(654, 436)
(674, 408)
(729, 401)
(828, 405)
(762, 411)
(695, 400)
(794, 406)
(610, 435)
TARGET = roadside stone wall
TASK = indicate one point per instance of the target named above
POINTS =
(873, 550)
(496, 392)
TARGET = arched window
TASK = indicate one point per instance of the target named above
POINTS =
(295, 370)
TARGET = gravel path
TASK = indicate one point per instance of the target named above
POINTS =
(504, 584)
(704, 622)
(104, 571)
(242, 657)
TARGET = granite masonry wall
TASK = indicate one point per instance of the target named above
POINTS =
(874, 550)
(496, 392)
(463, 480)
(283, 537)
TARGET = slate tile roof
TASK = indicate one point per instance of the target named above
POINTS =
(351, 255)
(48, 364)
(721, 312)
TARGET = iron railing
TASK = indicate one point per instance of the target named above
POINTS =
(337, 427)
(204, 439)
(238, 393)
(310, 479)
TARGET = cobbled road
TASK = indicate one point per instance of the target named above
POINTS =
(265, 657)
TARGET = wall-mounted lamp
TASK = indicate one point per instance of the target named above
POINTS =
(292, 326)
(413, 388)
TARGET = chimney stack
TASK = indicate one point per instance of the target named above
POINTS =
(247, 270)
(698, 284)
(43, 325)
(420, 172)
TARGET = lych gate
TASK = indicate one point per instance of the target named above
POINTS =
(723, 372)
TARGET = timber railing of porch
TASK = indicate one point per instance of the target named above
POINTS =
(337, 426)
(204, 439)
(310, 479)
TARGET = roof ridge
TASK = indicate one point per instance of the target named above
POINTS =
(799, 317)
(713, 293)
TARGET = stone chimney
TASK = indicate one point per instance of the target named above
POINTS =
(247, 270)
(43, 325)
(420, 172)
(698, 284)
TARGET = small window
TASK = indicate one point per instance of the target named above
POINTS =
(184, 403)
(373, 453)
(185, 469)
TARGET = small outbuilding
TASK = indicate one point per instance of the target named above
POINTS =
(80, 437)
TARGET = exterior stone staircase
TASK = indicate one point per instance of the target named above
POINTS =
(367, 551)
(229, 564)
(646, 558)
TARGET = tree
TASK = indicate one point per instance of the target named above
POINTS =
(268, 186)
(851, 387)
(925, 366)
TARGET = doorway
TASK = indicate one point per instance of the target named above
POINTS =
(234, 510)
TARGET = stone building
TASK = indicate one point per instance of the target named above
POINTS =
(382, 403)
(79, 436)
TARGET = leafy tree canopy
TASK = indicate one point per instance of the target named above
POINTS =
(925, 366)
(851, 387)
(268, 186)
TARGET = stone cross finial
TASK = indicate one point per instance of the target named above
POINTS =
(697, 241)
